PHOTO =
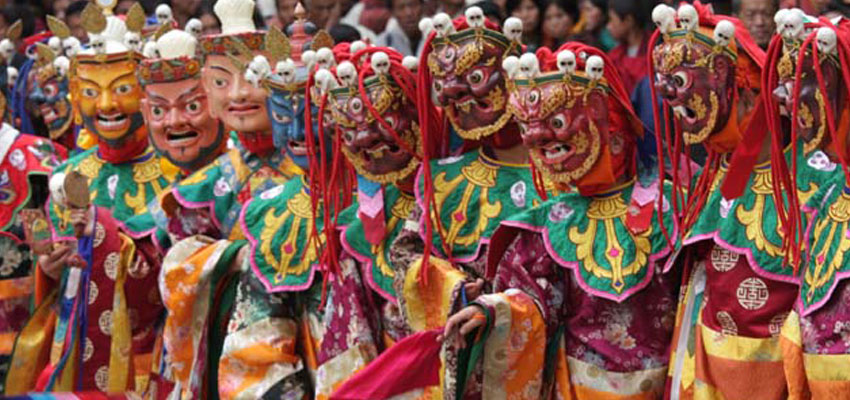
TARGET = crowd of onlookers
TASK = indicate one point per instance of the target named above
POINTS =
(620, 27)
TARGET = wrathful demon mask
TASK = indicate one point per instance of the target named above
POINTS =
(465, 68)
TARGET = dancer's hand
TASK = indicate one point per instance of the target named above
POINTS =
(83, 221)
(462, 323)
(474, 289)
(52, 264)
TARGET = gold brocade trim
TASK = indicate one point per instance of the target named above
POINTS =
(480, 174)
(785, 66)
(427, 306)
(556, 99)
(698, 105)
(571, 176)
(411, 136)
(477, 175)
(399, 212)
(753, 219)
(498, 99)
(198, 177)
(837, 222)
(121, 352)
(815, 142)
(90, 166)
(147, 171)
(403, 207)
(300, 205)
(434, 67)
(298, 209)
(606, 210)
(470, 57)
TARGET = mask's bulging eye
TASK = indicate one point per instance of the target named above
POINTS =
(559, 122)
(680, 79)
(475, 77)
(356, 105)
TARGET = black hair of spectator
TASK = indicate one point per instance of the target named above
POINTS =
(23, 12)
(389, 3)
(637, 9)
(569, 6)
(736, 4)
(512, 5)
(839, 6)
(490, 9)
(344, 33)
(259, 21)
(601, 4)
(76, 7)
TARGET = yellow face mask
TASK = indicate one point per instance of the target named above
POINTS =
(108, 98)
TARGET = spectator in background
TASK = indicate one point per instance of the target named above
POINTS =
(344, 33)
(184, 10)
(452, 7)
(530, 13)
(210, 23)
(402, 31)
(56, 8)
(594, 15)
(123, 6)
(757, 16)
(502, 5)
(374, 16)
(627, 22)
(812, 7)
(559, 16)
(11, 13)
(285, 13)
(73, 18)
(323, 13)
(837, 8)
(491, 10)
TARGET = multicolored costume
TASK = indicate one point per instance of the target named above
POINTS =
(243, 327)
(468, 194)
(737, 287)
(176, 111)
(25, 163)
(815, 351)
(372, 97)
(124, 173)
(583, 307)
(214, 195)
(88, 333)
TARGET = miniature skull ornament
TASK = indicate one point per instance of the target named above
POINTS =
(595, 68)
(325, 58)
(194, 27)
(529, 66)
(133, 41)
(688, 17)
(347, 74)
(381, 62)
(474, 17)
(664, 18)
(163, 13)
(724, 33)
(443, 25)
(566, 62)
(71, 46)
(55, 44)
(511, 66)
(513, 29)
(826, 40)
